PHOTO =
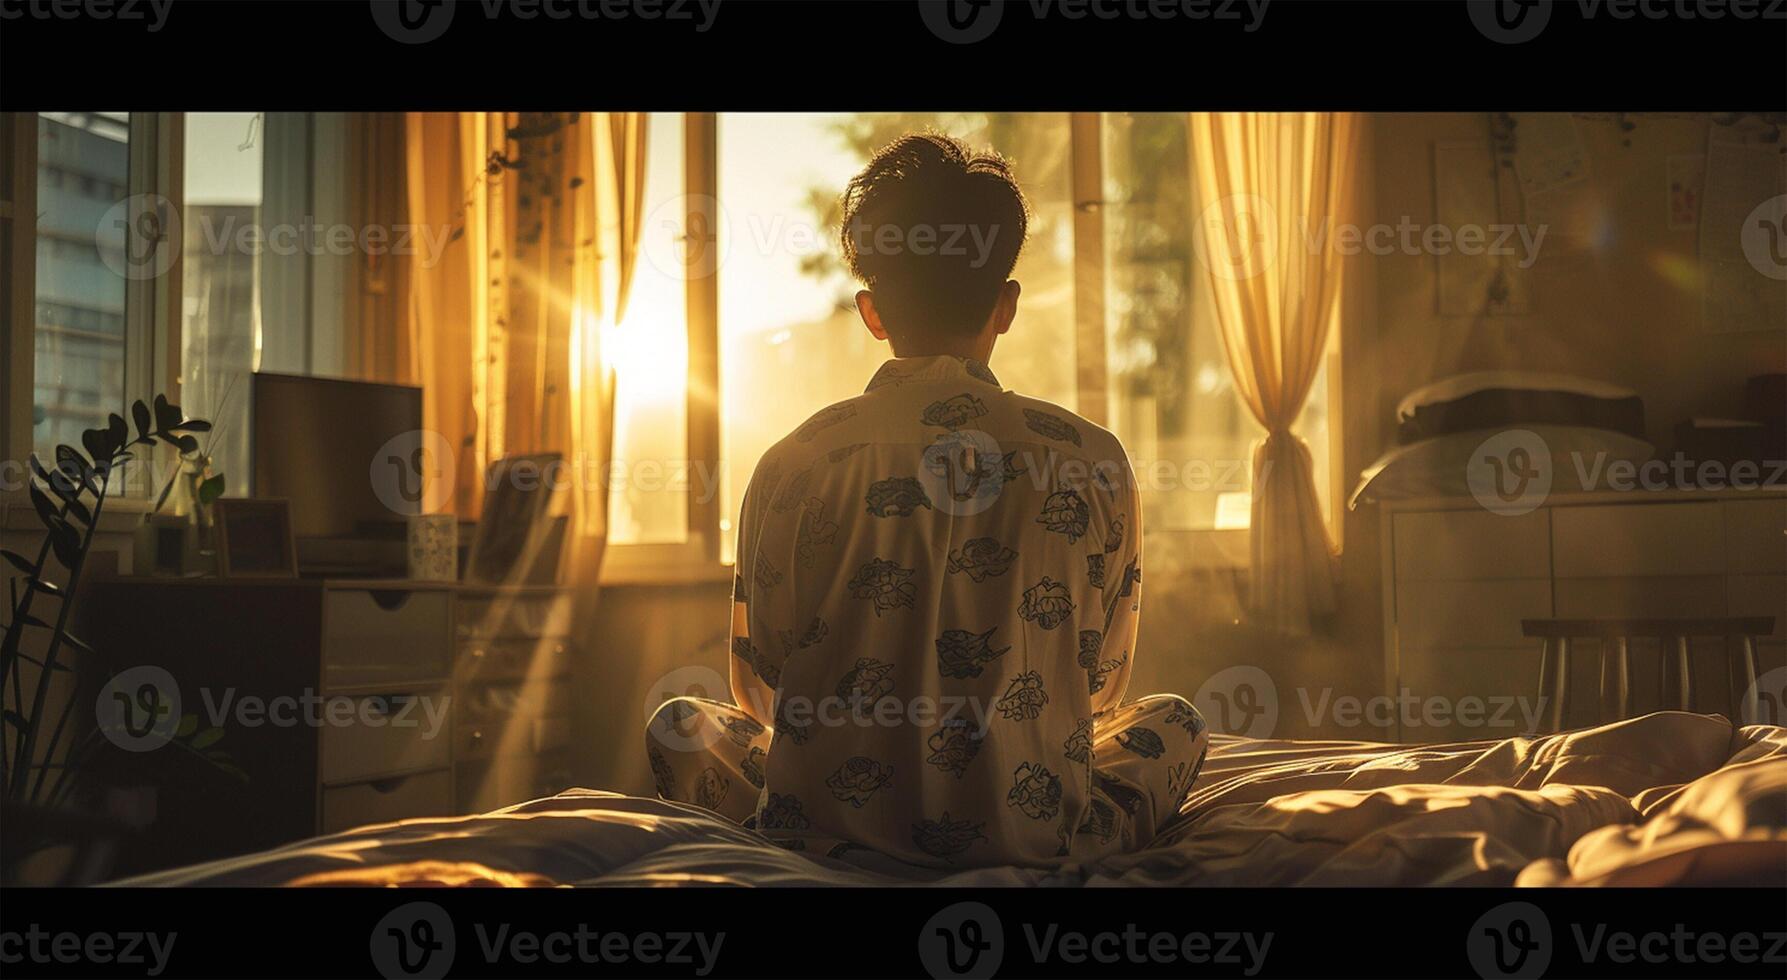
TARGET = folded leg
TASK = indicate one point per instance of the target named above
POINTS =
(1145, 756)
(708, 753)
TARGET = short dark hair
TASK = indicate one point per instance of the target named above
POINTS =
(933, 229)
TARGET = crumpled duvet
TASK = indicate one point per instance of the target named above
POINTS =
(1671, 798)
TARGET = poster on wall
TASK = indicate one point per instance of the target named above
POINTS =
(1686, 178)
(1743, 234)
(1548, 151)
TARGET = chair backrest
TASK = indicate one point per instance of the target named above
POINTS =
(1553, 629)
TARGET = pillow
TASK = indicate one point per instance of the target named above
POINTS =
(1494, 399)
(1438, 467)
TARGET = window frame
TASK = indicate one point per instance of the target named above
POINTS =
(698, 558)
(151, 308)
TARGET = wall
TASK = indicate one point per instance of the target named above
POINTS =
(1616, 294)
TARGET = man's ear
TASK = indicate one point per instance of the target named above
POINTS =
(871, 318)
(1006, 309)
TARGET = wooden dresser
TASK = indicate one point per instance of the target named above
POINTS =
(512, 693)
(1458, 579)
(332, 698)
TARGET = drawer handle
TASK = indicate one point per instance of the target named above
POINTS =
(388, 786)
(390, 600)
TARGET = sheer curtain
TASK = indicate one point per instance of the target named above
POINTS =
(525, 227)
(1272, 189)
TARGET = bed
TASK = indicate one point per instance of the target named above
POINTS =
(1670, 798)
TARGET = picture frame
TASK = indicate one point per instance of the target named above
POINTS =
(254, 538)
(512, 527)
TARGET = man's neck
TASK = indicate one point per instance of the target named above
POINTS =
(972, 348)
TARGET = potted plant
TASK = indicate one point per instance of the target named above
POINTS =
(45, 803)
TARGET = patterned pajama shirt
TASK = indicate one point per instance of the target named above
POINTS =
(933, 626)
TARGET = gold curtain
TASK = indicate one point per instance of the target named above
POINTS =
(524, 229)
(1268, 185)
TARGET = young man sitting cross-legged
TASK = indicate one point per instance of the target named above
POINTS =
(939, 580)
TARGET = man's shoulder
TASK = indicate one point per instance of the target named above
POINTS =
(1065, 429)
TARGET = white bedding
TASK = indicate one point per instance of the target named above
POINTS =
(1669, 798)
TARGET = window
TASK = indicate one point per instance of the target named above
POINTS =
(649, 350)
(791, 341)
(149, 284)
(83, 181)
(220, 323)
(1172, 396)
(1114, 321)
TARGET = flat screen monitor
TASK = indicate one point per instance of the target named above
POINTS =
(317, 443)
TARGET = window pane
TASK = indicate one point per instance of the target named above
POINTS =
(220, 297)
(83, 170)
(649, 350)
(791, 341)
(1172, 396)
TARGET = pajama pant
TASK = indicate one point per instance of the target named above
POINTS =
(705, 752)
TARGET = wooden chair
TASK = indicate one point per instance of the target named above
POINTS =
(1674, 682)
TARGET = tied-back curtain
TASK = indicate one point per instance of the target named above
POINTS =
(526, 228)
(1272, 190)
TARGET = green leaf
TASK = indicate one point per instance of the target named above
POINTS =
(98, 444)
(191, 425)
(65, 541)
(19, 562)
(187, 444)
(117, 430)
(211, 489)
(45, 585)
(139, 413)
(207, 737)
(77, 643)
(167, 415)
(70, 461)
(46, 509)
(80, 511)
(188, 724)
(55, 666)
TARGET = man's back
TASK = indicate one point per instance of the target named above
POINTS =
(940, 582)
